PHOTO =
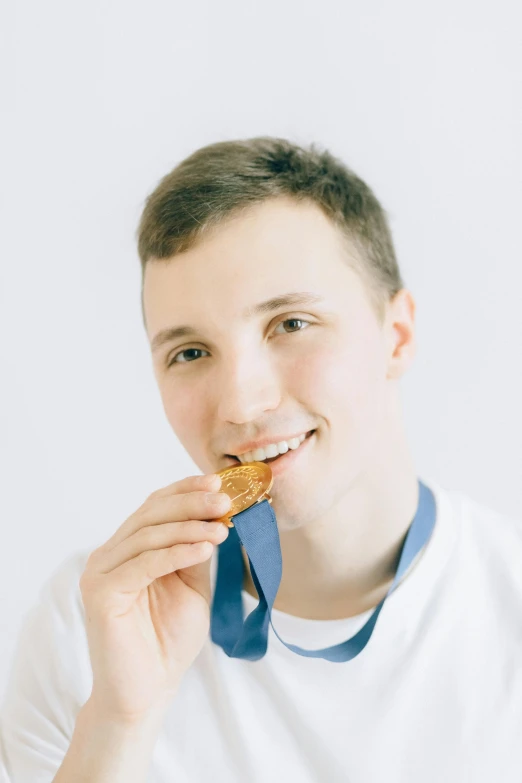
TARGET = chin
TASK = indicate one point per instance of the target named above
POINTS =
(295, 512)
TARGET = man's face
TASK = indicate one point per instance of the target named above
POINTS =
(237, 378)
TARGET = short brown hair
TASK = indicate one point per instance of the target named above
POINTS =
(221, 180)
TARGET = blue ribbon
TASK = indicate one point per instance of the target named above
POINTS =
(256, 529)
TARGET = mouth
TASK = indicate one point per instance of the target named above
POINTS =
(233, 460)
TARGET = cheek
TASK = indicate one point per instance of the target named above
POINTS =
(342, 381)
(185, 409)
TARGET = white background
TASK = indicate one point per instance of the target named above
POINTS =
(101, 99)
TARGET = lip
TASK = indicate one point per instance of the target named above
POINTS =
(284, 461)
(260, 444)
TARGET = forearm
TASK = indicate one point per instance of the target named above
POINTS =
(105, 751)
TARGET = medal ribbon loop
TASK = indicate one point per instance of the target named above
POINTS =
(256, 529)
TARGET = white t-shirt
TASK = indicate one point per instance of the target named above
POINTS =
(436, 696)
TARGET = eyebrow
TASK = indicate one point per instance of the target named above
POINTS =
(284, 300)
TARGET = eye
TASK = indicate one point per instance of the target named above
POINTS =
(188, 360)
(293, 321)
(296, 325)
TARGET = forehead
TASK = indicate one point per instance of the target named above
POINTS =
(276, 247)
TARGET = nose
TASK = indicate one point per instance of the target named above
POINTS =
(247, 387)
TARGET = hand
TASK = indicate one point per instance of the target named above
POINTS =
(146, 594)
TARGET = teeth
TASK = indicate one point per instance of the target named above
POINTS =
(272, 450)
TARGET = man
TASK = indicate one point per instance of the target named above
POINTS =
(279, 328)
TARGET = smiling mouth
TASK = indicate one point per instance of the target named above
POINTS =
(268, 460)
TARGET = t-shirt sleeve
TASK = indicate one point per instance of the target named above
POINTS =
(3, 771)
(49, 681)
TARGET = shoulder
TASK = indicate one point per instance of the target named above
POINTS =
(52, 642)
(57, 617)
(50, 675)
(485, 522)
(475, 517)
(487, 537)
(61, 590)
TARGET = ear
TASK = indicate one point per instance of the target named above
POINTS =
(400, 331)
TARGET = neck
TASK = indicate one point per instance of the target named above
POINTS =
(344, 564)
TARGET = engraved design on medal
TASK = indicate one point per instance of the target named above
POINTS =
(245, 485)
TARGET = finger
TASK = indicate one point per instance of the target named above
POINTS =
(172, 508)
(161, 537)
(210, 482)
(141, 571)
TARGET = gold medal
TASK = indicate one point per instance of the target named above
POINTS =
(245, 485)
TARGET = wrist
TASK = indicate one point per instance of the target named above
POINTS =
(96, 712)
(109, 748)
